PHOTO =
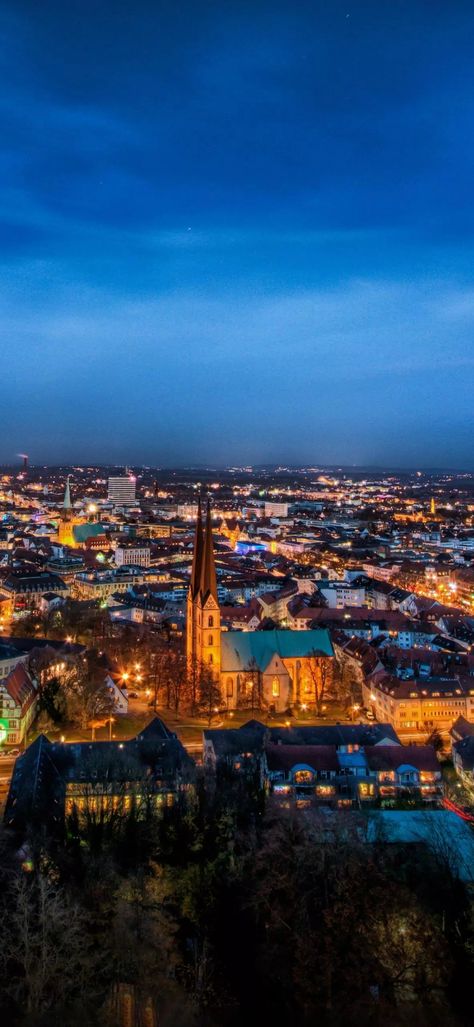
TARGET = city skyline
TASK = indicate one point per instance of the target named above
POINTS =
(237, 235)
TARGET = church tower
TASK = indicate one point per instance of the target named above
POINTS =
(66, 520)
(203, 621)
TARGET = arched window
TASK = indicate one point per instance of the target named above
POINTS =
(210, 622)
(210, 640)
(211, 658)
(230, 687)
(276, 688)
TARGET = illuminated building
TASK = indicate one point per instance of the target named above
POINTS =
(122, 490)
(68, 520)
(279, 667)
(203, 627)
(51, 779)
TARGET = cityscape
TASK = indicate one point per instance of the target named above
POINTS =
(238, 660)
(236, 513)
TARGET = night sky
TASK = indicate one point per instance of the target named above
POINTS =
(237, 231)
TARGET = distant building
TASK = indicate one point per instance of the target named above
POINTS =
(121, 490)
(134, 554)
(276, 509)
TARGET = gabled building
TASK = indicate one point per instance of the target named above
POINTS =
(18, 704)
(54, 779)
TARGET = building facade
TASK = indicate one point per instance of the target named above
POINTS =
(122, 490)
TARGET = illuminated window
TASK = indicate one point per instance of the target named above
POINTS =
(275, 688)
(303, 777)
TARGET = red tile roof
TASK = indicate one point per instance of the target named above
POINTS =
(390, 757)
(284, 757)
(20, 687)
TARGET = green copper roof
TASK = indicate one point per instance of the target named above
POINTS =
(82, 532)
(241, 648)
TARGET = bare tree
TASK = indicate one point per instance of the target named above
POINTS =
(44, 955)
(320, 674)
(251, 696)
(209, 694)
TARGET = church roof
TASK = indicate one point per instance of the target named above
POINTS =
(82, 532)
(208, 585)
(67, 505)
(197, 558)
(239, 649)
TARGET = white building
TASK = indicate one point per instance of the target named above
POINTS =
(276, 509)
(132, 555)
(122, 490)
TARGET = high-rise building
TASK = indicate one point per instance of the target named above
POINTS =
(276, 509)
(122, 490)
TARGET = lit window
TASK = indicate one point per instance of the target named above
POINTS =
(275, 688)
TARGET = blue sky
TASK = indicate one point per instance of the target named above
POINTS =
(236, 231)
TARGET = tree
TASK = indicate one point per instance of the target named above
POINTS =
(87, 696)
(436, 740)
(319, 671)
(251, 693)
(45, 954)
(209, 694)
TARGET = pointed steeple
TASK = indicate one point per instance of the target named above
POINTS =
(67, 505)
(198, 551)
(208, 569)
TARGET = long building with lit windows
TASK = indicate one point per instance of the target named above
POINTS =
(416, 707)
(277, 669)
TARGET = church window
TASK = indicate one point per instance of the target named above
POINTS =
(210, 622)
(210, 640)
(276, 688)
(230, 687)
(211, 658)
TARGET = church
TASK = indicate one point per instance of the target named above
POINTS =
(68, 520)
(280, 668)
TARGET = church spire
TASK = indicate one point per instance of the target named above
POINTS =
(198, 551)
(208, 569)
(67, 505)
